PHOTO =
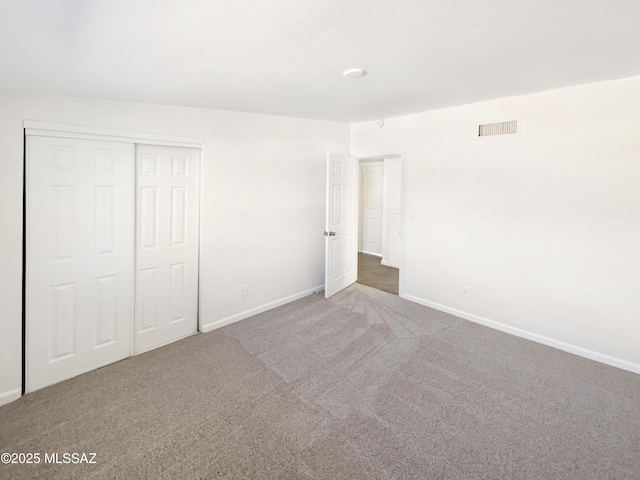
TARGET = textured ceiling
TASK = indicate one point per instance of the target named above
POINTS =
(286, 57)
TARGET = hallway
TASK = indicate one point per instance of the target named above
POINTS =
(375, 275)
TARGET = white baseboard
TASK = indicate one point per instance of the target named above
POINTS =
(10, 396)
(371, 253)
(387, 264)
(255, 311)
(518, 332)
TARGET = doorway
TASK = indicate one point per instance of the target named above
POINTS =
(379, 225)
(344, 222)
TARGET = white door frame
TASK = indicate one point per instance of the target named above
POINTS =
(362, 159)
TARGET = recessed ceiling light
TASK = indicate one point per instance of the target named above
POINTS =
(354, 72)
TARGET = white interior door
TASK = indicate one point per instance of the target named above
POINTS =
(341, 248)
(372, 208)
(167, 208)
(79, 257)
(392, 241)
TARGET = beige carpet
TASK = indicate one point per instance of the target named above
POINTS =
(364, 385)
(373, 274)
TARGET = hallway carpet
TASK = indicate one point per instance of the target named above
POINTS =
(364, 385)
(373, 274)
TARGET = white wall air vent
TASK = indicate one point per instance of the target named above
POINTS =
(509, 127)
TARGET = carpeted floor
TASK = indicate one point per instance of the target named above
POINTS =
(363, 385)
(373, 274)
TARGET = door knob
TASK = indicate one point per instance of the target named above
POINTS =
(329, 234)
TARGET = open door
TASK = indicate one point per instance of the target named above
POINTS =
(341, 246)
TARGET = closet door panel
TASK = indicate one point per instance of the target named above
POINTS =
(167, 208)
(79, 273)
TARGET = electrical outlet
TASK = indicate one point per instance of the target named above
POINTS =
(465, 291)
(246, 290)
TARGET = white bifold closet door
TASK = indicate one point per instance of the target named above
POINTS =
(167, 211)
(79, 290)
(112, 252)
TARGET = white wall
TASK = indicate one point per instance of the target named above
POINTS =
(544, 228)
(262, 203)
